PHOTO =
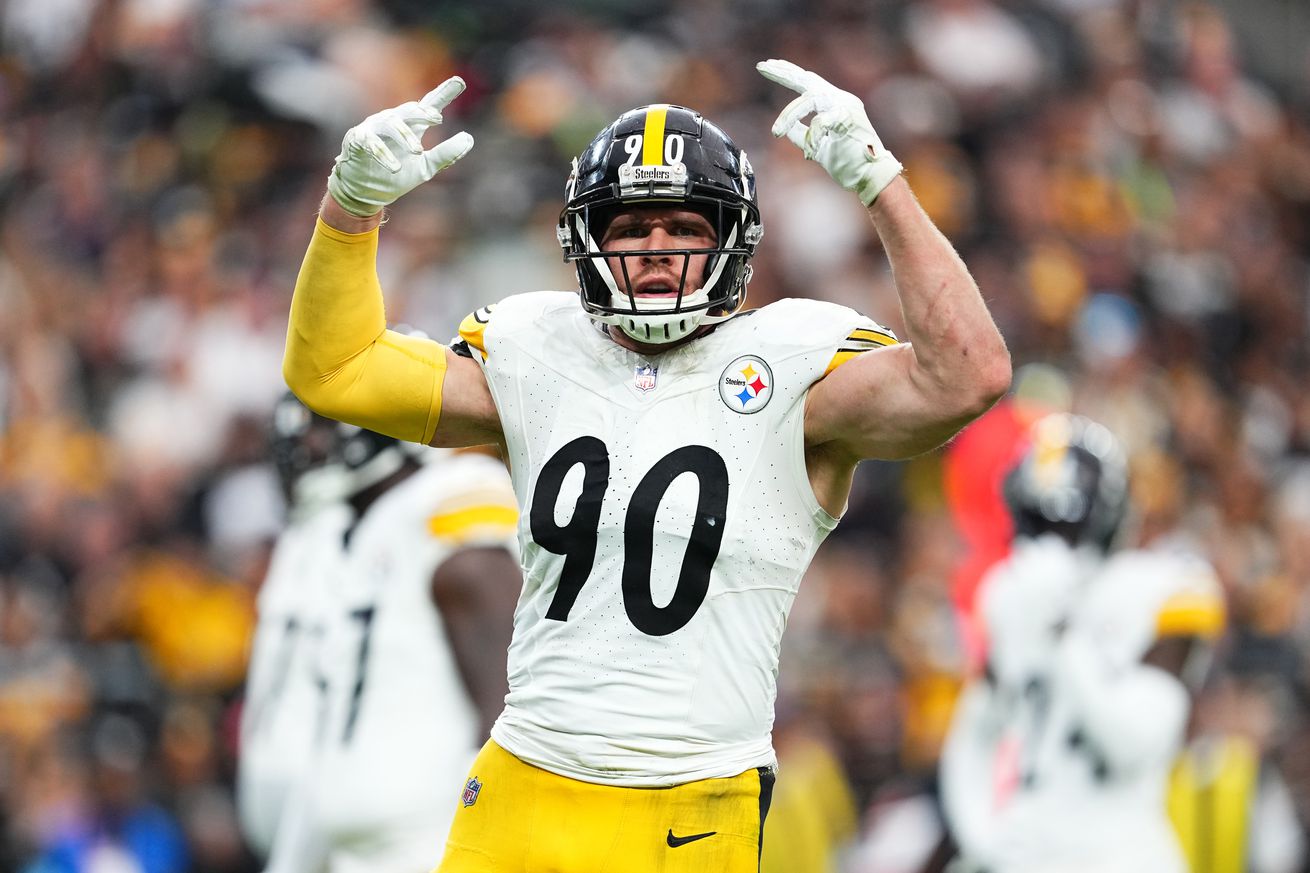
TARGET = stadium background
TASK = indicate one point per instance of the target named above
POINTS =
(1129, 181)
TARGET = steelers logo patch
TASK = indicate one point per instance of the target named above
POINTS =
(746, 385)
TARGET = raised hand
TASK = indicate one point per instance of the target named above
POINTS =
(382, 158)
(839, 138)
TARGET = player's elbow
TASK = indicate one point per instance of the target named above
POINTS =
(297, 372)
(993, 378)
(317, 401)
(306, 380)
(291, 371)
(985, 377)
(320, 398)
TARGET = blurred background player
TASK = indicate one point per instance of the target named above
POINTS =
(416, 616)
(1059, 755)
(282, 699)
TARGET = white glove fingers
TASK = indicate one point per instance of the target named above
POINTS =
(791, 76)
(419, 118)
(830, 120)
(447, 152)
(792, 114)
(382, 158)
(439, 97)
(400, 130)
(799, 134)
(375, 147)
(839, 135)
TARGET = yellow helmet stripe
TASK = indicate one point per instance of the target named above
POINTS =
(652, 150)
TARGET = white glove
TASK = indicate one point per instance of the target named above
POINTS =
(382, 158)
(839, 138)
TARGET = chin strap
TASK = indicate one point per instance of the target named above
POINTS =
(659, 329)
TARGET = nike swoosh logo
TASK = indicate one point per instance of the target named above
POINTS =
(674, 842)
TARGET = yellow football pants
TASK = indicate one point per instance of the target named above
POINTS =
(517, 818)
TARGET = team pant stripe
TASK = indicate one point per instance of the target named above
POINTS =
(767, 778)
(652, 150)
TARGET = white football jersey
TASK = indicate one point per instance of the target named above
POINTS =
(667, 519)
(401, 729)
(1071, 809)
(283, 700)
(1023, 600)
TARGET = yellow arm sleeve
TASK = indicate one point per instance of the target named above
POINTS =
(341, 360)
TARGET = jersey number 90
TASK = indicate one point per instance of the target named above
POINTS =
(576, 541)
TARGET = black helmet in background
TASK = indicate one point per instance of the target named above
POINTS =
(304, 449)
(319, 460)
(1072, 481)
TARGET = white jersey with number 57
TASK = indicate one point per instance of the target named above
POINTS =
(667, 519)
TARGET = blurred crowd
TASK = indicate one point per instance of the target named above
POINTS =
(1133, 201)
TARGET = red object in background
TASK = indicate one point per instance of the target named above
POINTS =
(973, 471)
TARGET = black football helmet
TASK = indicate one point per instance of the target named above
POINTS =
(320, 460)
(301, 443)
(662, 155)
(369, 457)
(1072, 481)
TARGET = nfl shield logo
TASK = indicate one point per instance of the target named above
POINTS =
(471, 790)
(644, 376)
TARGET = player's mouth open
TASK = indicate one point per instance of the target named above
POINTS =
(655, 289)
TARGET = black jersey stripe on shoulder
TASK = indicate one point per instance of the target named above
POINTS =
(473, 328)
(841, 357)
(846, 353)
(880, 337)
(864, 345)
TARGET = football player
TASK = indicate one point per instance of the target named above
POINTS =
(281, 695)
(414, 603)
(1059, 755)
(677, 459)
